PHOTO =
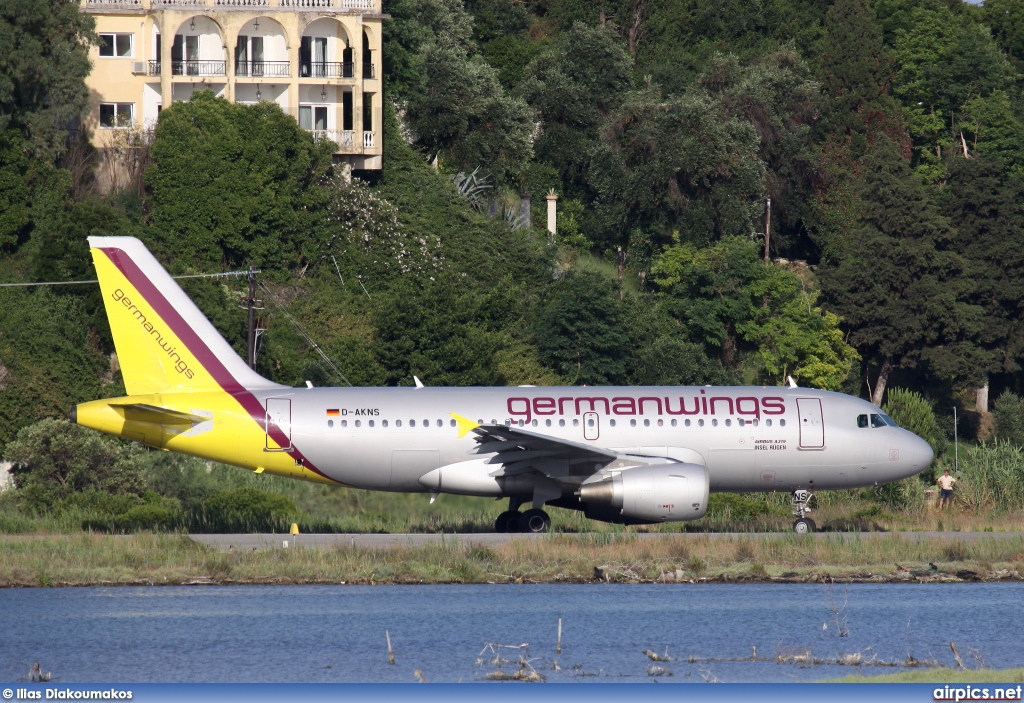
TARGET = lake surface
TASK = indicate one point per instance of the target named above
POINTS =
(337, 633)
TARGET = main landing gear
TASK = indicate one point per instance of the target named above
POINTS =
(802, 525)
(533, 521)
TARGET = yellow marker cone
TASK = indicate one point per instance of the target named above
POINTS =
(295, 529)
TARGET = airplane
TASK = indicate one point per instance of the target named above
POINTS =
(627, 455)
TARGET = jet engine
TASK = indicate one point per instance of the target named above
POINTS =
(647, 494)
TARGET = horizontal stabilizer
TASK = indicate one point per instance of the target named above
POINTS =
(142, 412)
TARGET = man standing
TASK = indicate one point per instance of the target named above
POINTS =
(945, 489)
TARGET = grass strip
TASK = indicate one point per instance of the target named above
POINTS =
(99, 559)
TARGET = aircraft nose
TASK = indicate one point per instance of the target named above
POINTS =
(919, 453)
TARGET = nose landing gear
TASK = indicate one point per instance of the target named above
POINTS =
(802, 525)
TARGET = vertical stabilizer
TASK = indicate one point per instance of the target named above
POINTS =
(164, 342)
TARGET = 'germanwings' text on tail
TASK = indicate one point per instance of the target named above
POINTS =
(619, 454)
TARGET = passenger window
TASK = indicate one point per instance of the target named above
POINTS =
(742, 422)
(357, 423)
(660, 423)
(782, 423)
(561, 423)
(877, 421)
(344, 423)
(700, 423)
(632, 423)
(714, 423)
(453, 423)
(687, 423)
(370, 423)
(862, 421)
(330, 423)
(755, 422)
(440, 423)
(547, 423)
(398, 423)
(575, 423)
(383, 423)
(534, 423)
(728, 423)
(647, 423)
(767, 423)
(612, 423)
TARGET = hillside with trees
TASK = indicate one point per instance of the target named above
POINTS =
(828, 191)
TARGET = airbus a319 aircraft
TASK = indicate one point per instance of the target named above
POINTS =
(631, 455)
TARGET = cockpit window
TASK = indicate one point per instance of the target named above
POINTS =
(862, 421)
(877, 420)
(889, 421)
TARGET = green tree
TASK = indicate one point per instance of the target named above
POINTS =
(678, 164)
(1009, 416)
(580, 330)
(985, 204)
(897, 285)
(43, 64)
(234, 184)
(54, 459)
(48, 362)
(735, 305)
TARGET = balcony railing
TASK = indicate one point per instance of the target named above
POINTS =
(342, 137)
(326, 69)
(199, 68)
(263, 69)
(368, 70)
(369, 139)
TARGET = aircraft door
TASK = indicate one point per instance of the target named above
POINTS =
(812, 426)
(591, 426)
(278, 424)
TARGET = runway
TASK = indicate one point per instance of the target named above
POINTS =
(258, 542)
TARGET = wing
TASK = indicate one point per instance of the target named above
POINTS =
(517, 451)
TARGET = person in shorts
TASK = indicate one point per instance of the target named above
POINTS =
(945, 489)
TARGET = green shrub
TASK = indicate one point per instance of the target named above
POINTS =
(1009, 417)
(243, 510)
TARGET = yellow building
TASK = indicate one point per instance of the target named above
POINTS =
(320, 60)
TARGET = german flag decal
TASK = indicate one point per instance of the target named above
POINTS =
(333, 412)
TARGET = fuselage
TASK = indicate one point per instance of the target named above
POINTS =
(749, 438)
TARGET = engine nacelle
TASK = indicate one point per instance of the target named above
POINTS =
(659, 493)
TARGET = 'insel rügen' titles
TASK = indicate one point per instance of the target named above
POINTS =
(700, 404)
(169, 349)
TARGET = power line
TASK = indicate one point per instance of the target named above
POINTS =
(77, 283)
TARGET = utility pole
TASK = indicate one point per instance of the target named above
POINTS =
(767, 228)
(250, 302)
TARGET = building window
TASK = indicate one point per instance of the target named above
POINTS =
(117, 115)
(312, 117)
(117, 45)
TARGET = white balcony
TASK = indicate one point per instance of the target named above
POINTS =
(344, 138)
(369, 139)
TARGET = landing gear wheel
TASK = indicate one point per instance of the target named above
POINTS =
(535, 521)
(803, 526)
(507, 522)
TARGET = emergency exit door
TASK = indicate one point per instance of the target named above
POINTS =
(812, 427)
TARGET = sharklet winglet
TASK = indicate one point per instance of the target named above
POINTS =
(465, 425)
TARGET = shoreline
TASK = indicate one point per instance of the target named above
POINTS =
(89, 559)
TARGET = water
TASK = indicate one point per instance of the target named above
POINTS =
(336, 633)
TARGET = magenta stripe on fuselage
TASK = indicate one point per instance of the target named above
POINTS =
(194, 343)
